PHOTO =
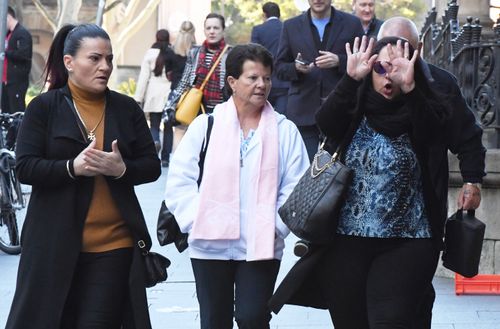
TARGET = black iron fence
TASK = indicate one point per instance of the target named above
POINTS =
(473, 58)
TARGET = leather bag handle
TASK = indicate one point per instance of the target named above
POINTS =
(212, 69)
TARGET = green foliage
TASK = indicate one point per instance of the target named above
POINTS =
(127, 87)
(242, 15)
(32, 92)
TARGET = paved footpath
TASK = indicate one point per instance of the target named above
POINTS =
(173, 304)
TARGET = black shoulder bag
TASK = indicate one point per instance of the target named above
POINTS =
(168, 230)
(311, 211)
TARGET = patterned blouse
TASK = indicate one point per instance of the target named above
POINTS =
(386, 197)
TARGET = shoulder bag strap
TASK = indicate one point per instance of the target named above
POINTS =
(212, 69)
(203, 151)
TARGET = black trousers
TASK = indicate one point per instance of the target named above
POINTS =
(239, 289)
(373, 283)
(13, 96)
(99, 295)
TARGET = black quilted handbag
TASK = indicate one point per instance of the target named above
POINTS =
(311, 211)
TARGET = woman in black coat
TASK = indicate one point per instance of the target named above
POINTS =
(390, 229)
(83, 148)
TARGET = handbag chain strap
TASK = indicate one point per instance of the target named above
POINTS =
(316, 170)
(212, 69)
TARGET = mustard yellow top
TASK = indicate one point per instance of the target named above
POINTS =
(104, 226)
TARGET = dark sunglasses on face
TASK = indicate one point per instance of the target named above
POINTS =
(379, 68)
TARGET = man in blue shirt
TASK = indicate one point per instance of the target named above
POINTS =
(311, 55)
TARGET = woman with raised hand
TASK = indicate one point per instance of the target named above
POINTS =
(83, 148)
(390, 229)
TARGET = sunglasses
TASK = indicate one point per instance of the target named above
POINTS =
(379, 69)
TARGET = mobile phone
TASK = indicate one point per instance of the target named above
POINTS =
(302, 61)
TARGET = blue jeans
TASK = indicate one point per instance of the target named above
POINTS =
(239, 289)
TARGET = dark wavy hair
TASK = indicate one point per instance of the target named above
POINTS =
(67, 41)
(162, 43)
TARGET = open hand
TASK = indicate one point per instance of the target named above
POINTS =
(326, 60)
(359, 61)
(401, 70)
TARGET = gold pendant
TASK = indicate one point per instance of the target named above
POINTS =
(91, 136)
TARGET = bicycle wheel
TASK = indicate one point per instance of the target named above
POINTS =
(9, 231)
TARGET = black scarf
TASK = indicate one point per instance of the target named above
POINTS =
(390, 117)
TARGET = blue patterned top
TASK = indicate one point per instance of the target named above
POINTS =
(244, 142)
(386, 197)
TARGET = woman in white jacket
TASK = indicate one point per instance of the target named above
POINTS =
(153, 86)
(254, 159)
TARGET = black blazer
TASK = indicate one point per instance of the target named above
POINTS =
(19, 52)
(306, 90)
(268, 34)
(51, 238)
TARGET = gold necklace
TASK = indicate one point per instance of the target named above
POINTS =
(90, 133)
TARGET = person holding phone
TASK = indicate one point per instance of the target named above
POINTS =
(313, 65)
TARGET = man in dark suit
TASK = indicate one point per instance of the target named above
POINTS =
(18, 63)
(467, 143)
(268, 35)
(365, 11)
(311, 55)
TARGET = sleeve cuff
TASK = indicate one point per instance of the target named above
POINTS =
(348, 85)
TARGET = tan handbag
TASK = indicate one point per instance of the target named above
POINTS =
(191, 100)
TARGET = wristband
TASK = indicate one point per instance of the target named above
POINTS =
(123, 173)
(69, 169)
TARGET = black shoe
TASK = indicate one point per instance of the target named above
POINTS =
(300, 249)
(164, 163)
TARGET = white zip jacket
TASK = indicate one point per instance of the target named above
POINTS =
(182, 195)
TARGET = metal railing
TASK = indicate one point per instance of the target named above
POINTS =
(473, 58)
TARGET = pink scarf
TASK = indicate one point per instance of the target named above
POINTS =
(219, 209)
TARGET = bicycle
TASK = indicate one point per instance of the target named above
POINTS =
(13, 198)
